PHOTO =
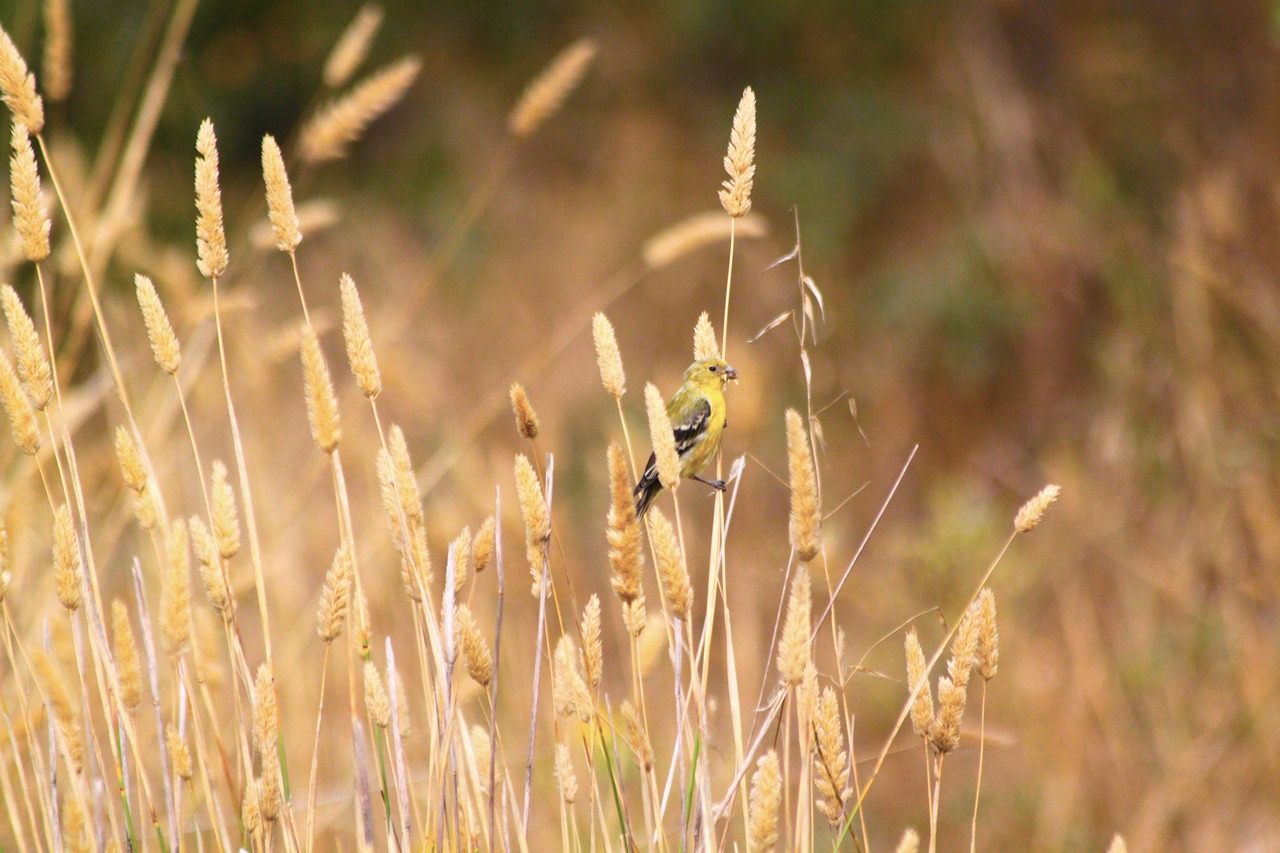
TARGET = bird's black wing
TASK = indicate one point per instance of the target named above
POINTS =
(691, 431)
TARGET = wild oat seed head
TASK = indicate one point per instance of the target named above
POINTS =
(671, 565)
(128, 669)
(533, 509)
(988, 636)
(806, 516)
(636, 736)
(22, 417)
(910, 842)
(964, 648)
(482, 546)
(626, 556)
(922, 707)
(322, 405)
(608, 357)
(57, 49)
(475, 651)
(375, 696)
(179, 754)
(33, 366)
(565, 778)
(355, 333)
(284, 219)
(329, 133)
(831, 762)
(945, 734)
(67, 568)
(766, 797)
(526, 419)
(704, 339)
(544, 96)
(663, 438)
(1118, 845)
(739, 162)
(226, 522)
(175, 593)
(29, 216)
(211, 237)
(334, 596)
(793, 649)
(164, 343)
(18, 86)
(59, 698)
(1033, 510)
(352, 46)
(592, 650)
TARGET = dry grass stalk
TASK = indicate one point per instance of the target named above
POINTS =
(592, 650)
(376, 699)
(18, 86)
(482, 545)
(988, 661)
(608, 357)
(266, 728)
(226, 523)
(526, 418)
(211, 237)
(831, 762)
(663, 438)
(922, 707)
(355, 333)
(909, 843)
(739, 162)
(537, 522)
(33, 365)
(704, 336)
(6, 580)
(1033, 510)
(164, 343)
(175, 593)
(125, 651)
(475, 651)
(280, 210)
(688, 235)
(28, 206)
(322, 404)
(636, 736)
(671, 565)
(179, 754)
(65, 713)
(352, 46)
(68, 571)
(945, 733)
(565, 777)
(626, 555)
(334, 597)
(793, 648)
(329, 134)
(544, 96)
(806, 518)
(766, 797)
(57, 49)
(22, 417)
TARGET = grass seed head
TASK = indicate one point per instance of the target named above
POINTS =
(671, 565)
(922, 707)
(544, 96)
(329, 134)
(1033, 510)
(355, 333)
(766, 798)
(211, 237)
(704, 338)
(125, 649)
(526, 418)
(988, 636)
(33, 365)
(739, 161)
(608, 356)
(280, 210)
(22, 417)
(806, 517)
(663, 438)
(352, 46)
(322, 404)
(18, 86)
(68, 571)
(626, 554)
(793, 649)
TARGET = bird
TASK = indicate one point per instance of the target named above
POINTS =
(698, 418)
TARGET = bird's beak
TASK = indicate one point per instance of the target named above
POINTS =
(730, 373)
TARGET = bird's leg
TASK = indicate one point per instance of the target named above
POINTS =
(718, 485)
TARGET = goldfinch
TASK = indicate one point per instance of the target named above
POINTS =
(698, 418)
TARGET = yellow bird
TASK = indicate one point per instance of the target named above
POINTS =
(698, 418)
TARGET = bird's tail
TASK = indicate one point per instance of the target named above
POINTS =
(648, 487)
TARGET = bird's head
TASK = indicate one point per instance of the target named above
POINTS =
(709, 373)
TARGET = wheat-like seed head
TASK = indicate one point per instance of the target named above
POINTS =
(793, 648)
(945, 733)
(1033, 510)
(663, 438)
(399, 484)
(226, 522)
(480, 747)
(33, 366)
(59, 698)
(329, 134)
(250, 811)
(57, 49)
(375, 696)
(482, 546)
(592, 650)
(22, 417)
(355, 333)
(352, 46)
(636, 736)
(922, 707)
(175, 593)
(537, 521)
(830, 759)
(164, 343)
(688, 235)
(402, 707)
(704, 338)
(6, 580)
(568, 687)
(766, 797)
(266, 712)
(671, 565)
(544, 96)
(909, 843)
(806, 516)
(988, 636)
(608, 357)
(635, 618)
(211, 237)
(209, 565)
(626, 556)
(334, 596)
(322, 405)
(29, 216)
(475, 651)
(415, 564)
(280, 210)
(179, 754)
(125, 651)
(526, 418)
(269, 793)
(74, 825)
(565, 777)
(135, 476)
(68, 570)
(739, 162)
(964, 648)
(18, 86)
(461, 559)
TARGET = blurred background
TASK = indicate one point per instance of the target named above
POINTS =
(1047, 238)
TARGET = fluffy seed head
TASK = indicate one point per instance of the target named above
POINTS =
(482, 546)
(636, 736)
(922, 707)
(704, 339)
(67, 569)
(739, 162)
(688, 235)
(65, 713)
(164, 343)
(322, 405)
(608, 357)
(481, 747)
(945, 734)
(475, 651)
(33, 366)
(565, 777)
(964, 648)
(1118, 845)
(209, 565)
(988, 636)
(543, 97)
(57, 49)
(179, 754)
(266, 719)
(226, 523)
(135, 476)
(806, 519)
(355, 332)
(830, 760)
(663, 438)
(329, 134)
(910, 842)
(128, 669)
(175, 593)
(22, 417)
(533, 508)
(334, 596)
(352, 46)
(18, 86)
(671, 565)
(568, 687)
(652, 641)
(29, 216)
(375, 696)
(211, 237)
(592, 650)
(626, 557)
(526, 418)
(461, 559)
(766, 797)
(1033, 510)
(793, 649)
(284, 219)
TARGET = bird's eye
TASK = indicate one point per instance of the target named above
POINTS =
(713, 368)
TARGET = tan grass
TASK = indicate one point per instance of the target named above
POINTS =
(29, 215)
(704, 336)
(68, 569)
(626, 556)
(526, 418)
(355, 333)
(33, 364)
(280, 209)
(608, 357)
(164, 343)
(698, 231)
(739, 161)
(793, 648)
(22, 417)
(322, 404)
(544, 96)
(18, 86)
(58, 42)
(806, 520)
(1033, 510)
(351, 48)
(663, 438)
(330, 133)
(669, 559)
(766, 800)
(211, 238)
